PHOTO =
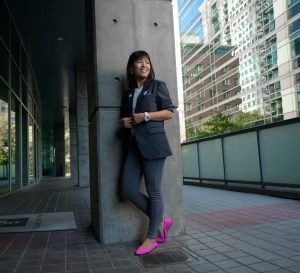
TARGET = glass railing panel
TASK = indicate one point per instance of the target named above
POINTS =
(280, 154)
(241, 157)
(190, 166)
(211, 160)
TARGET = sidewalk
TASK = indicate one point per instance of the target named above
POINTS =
(225, 232)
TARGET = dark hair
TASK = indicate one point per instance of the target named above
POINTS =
(134, 57)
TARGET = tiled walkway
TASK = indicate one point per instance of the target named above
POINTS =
(225, 232)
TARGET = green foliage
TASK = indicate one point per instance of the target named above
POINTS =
(218, 124)
(221, 124)
(4, 139)
(248, 119)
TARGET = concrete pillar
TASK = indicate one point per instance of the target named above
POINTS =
(59, 144)
(73, 145)
(82, 127)
(116, 28)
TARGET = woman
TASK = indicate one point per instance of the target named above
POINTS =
(145, 107)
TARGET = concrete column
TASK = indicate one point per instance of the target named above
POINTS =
(73, 145)
(82, 127)
(59, 143)
(116, 28)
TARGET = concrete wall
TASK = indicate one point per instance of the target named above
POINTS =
(116, 28)
(73, 145)
(82, 126)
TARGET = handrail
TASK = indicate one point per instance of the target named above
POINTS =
(265, 155)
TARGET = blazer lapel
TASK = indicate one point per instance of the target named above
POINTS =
(130, 100)
(141, 96)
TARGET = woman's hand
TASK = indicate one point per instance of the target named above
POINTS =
(126, 122)
(156, 116)
(137, 118)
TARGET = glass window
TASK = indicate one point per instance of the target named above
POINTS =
(4, 62)
(15, 143)
(24, 147)
(295, 47)
(186, 79)
(188, 106)
(199, 68)
(294, 8)
(15, 45)
(31, 151)
(29, 78)
(296, 63)
(4, 141)
(34, 91)
(37, 153)
(212, 93)
(15, 79)
(30, 104)
(24, 93)
(4, 23)
(24, 64)
(294, 27)
(226, 82)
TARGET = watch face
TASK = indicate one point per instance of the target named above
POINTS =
(146, 116)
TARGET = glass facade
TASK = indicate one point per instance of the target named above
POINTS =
(240, 61)
(15, 133)
(19, 123)
(4, 139)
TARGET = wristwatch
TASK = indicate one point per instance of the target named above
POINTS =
(146, 117)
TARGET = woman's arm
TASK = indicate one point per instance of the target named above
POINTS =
(154, 116)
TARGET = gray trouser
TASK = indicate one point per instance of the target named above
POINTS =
(134, 168)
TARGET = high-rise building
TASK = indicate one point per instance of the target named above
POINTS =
(240, 56)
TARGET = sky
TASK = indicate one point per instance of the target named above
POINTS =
(191, 8)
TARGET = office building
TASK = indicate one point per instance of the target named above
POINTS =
(239, 57)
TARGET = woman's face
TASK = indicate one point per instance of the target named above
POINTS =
(141, 68)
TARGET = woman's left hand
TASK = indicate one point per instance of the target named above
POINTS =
(137, 118)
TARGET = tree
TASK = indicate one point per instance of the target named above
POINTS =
(247, 119)
(190, 130)
(216, 125)
(4, 138)
(221, 124)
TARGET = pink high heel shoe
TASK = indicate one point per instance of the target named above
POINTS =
(167, 225)
(145, 250)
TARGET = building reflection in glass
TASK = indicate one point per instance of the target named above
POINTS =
(252, 47)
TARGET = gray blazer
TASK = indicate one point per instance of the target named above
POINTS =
(150, 136)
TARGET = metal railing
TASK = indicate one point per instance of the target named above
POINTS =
(264, 155)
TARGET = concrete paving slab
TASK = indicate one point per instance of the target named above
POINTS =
(228, 232)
